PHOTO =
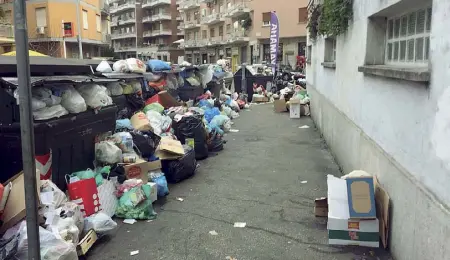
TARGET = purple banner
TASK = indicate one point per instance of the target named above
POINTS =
(274, 40)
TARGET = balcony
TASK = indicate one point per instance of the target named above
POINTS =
(191, 24)
(105, 9)
(123, 7)
(213, 19)
(237, 37)
(127, 20)
(116, 36)
(153, 3)
(6, 31)
(180, 32)
(106, 38)
(128, 48)
(157, 18)
(214, 41)
(237, 10)
(191, 44)
(189, 4)
(155, 33)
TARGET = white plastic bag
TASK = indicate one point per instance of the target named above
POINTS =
(45, 95)
(66, 228)
(71, 99)
(108, 200)
(52, 247)
(50, 190)
(206, 75)
(37, 104)
(136, 65)
(115, 88)
(100, 222)
(104, 67)
(108, 152)
(121, 66)
(96, 96)
(74, 211)
(125, 141)
(50, 112)
(156, 120)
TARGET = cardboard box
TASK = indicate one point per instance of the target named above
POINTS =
(260, 99)
(87, 242)
(15, 209)
(361, 198)
(341, 229)
(279, 106)
(382, 202)
(140, 169)
(169, 149)
(154, 191)
(294, 108)
(321, 207)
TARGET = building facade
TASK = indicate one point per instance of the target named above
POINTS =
(46, 30)
(238, 30)
(145, 29)
(6, 28)
(380, 95)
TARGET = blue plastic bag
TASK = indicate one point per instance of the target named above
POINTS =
(161, 183)
(158, 65)
(204, 103)
(123, 124)
(211, 113)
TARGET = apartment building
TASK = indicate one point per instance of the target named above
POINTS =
(146, 29)
(51, 23)
(380, 94)
(239, 30)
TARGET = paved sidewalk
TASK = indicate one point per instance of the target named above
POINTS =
(257, 179)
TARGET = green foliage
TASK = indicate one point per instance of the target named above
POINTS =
(335, 16)
(313, 21)
(246, 22)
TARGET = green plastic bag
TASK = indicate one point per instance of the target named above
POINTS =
(131, 205)
(155, 107)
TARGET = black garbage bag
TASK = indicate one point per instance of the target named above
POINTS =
(145, 142)
(192, 127)
(135, 102)
(180, 169)
(215, 143)
(116, 171)
(124, 113)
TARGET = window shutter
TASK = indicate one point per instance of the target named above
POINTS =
(266, 17)
(85, 19)
(302, 15)
(420, 21)
(41, 17)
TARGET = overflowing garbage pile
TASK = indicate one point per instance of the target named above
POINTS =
(157, 140)
(294, 99)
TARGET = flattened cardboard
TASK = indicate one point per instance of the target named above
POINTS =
(87, 242)
(361, 198)
(260, 99)
(15, 210)
(140, 169)
(279, 106)
(321, 207)
(166, 100)
(294, 108)
(382, 201)
(171, 146)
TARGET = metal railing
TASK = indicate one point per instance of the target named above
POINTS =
(151, 3)
(123, 35)
(126, 6)
(6, 30)
(187, 4)
(106, 38)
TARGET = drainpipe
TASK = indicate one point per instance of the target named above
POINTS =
(80, 44)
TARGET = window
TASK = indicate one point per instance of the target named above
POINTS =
(99, 23)
(220, 30)
(85, 20)
(41, 17)
(211, 32)
(308, 54)
(204, 34)
(302, 15)
(330, 50)
(408, 38)
(228, 28)
(266, 18)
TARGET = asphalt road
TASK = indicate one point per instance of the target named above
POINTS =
(257, 179)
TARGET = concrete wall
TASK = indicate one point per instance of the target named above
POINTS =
(396, 129)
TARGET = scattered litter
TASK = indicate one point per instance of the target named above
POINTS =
(289, 242)
(230, 258)
(150, 220)
(128, 231)
(303, 182)
(304, 127)
(134, 252)
(213, 233)
(240, 224)
(130, 221)
(234, 130)
(180, 199)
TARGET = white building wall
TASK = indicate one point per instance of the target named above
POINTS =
(396, 129)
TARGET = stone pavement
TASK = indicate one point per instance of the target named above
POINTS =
(257, 179)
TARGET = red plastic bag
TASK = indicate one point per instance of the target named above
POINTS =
(85, 194)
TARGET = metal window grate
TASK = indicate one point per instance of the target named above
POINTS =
(408, 38)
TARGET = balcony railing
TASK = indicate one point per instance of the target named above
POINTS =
(215, 41)
(152, 3)
(115, 36)
(213, 19)
(191, 44)
(189, 4)
(6, 30)
(237, 37)
(106, 38)
(125, 48)
(237, 10)
(161, 32)
(123, 7)
(156, 17)
(191, 24)
(127, 20)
